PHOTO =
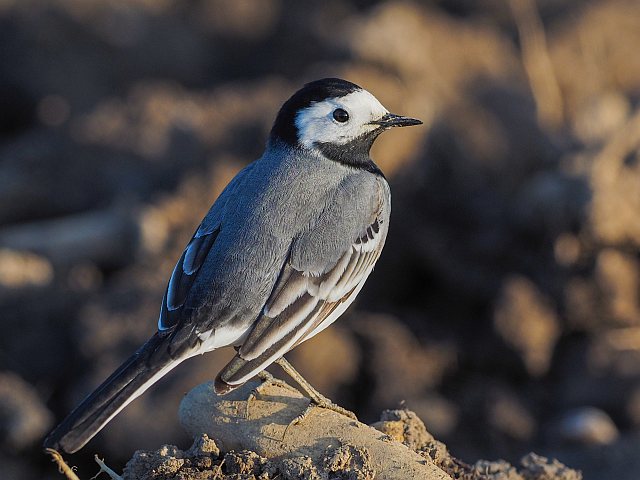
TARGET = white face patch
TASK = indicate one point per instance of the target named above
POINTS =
(316, 123)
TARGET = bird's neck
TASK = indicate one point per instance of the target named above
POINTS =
(353, 154)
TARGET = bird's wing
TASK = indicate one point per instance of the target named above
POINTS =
(193, 257)
(184, 274)
(304, 302)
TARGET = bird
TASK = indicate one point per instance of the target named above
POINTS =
(280, 255)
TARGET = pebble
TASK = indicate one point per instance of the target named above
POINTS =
(588, 426)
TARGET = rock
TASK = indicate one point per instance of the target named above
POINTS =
(262, 444)
(587, 425)
(331, 440)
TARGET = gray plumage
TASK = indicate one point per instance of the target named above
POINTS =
(279, 256)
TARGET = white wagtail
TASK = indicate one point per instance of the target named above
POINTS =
(280, 255)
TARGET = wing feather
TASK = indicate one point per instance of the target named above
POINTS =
(194, 256)
(300, 304)
(296, 283)
(273, 329)
(332, 277)
(184, 275)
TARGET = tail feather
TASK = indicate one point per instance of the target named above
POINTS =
(131, 379)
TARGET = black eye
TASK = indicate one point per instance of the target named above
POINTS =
(340, 115)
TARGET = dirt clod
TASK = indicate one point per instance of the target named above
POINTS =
(348, 462)
(537, 467)
(406, 427)
(301, 468)
(498, 470)
(203, 445)
(244, 463)
(169, 462)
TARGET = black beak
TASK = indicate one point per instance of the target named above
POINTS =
(390, 120)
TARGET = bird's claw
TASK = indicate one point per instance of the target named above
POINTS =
(322, 403)
(329, 405)
(266, 379)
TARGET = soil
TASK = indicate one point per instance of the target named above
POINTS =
(349, 453)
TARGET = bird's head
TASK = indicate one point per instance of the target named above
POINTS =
(336, 117)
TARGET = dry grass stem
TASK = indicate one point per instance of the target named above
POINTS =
(537, 63)
(103, 468)
(63, 468)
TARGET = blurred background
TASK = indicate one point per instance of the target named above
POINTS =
(505, 309)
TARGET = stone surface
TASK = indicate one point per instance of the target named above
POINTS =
(264, 427)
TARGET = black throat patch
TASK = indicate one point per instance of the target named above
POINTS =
(354, 153)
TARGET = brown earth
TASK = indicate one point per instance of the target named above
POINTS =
(256, 440)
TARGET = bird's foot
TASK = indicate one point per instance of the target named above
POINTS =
(266, 380)
(324, 402)
(317, 399)
(320, 402)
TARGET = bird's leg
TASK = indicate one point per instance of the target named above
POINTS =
(266, 379)
(317, 399)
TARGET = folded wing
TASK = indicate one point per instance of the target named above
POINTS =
(303, 303)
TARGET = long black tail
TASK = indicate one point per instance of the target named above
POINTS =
(134, 376)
